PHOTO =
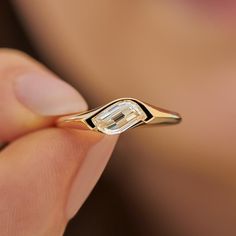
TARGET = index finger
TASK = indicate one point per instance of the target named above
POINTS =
(30, 96)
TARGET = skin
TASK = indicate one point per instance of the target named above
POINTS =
(179, 56)
(45, 172)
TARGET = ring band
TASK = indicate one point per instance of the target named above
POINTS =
(119, 116)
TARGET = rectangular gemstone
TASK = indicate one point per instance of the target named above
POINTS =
(118, 117)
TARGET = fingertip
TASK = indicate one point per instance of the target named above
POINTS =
(47, 95)
(88, 174)
(54, 171)
(31, 95)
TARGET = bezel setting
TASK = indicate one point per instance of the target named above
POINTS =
(118, 116)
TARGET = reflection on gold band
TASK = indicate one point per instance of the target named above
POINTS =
(119, 116)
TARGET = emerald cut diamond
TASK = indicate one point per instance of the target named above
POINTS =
(119, 117)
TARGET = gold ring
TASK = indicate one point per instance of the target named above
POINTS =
(119, 116)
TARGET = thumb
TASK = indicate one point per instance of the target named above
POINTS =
(46, 176)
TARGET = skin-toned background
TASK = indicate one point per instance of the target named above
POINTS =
(169, 54)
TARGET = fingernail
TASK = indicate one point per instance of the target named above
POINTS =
(47, 95)
(88, 173)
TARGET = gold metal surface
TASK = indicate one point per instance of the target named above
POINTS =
(155, 116)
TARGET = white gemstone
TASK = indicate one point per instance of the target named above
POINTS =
(118, 117)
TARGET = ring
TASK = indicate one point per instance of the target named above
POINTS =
(119, 116)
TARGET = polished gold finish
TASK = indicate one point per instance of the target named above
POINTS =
(118, 116)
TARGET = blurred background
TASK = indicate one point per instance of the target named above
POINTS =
(178, 54)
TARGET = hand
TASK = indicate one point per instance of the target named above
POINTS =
(46, 173)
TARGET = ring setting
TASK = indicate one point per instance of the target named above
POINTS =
(118, 116)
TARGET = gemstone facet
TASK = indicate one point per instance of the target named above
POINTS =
(118, 117)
